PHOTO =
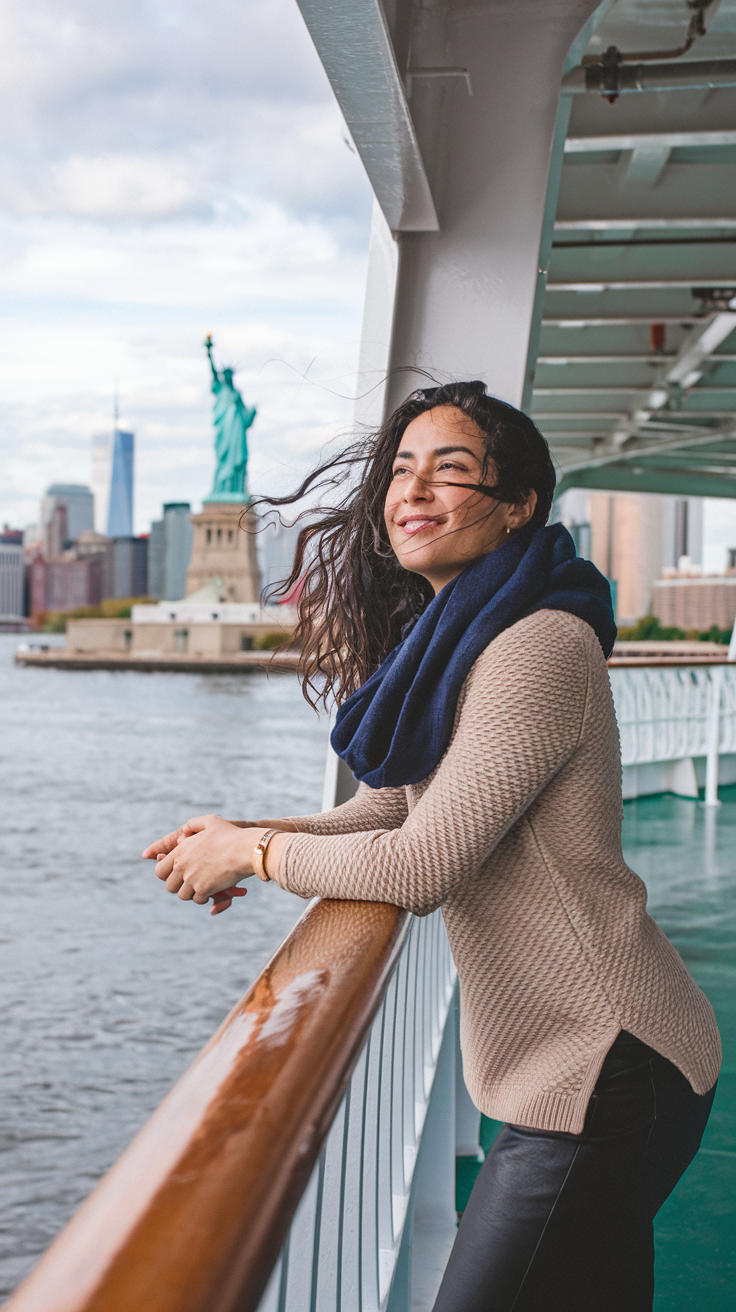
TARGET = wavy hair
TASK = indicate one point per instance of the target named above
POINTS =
(356, 601)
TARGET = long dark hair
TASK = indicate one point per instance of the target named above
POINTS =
(356, 600)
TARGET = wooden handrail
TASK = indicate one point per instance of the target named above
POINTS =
(193, 1215)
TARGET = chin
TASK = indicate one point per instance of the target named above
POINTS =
(419, 562)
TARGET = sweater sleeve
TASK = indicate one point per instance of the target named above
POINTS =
(370, 808)
(519, 720)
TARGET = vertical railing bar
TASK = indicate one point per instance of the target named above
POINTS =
(317, 1230)
(378, 1143)
(284, 1276)
(404, 1064)
(392, 1117)
(425, 1008)
(341, 1212)
(361, 1177)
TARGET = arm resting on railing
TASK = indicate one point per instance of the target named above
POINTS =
(370, 808)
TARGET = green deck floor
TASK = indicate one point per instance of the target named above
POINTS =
(686, 855)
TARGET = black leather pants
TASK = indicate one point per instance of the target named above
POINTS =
(564, 1221)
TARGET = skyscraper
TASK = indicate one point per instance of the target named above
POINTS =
(112, 480)
(66, 511)
(169, 552)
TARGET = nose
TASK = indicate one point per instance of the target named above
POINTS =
(418, 489)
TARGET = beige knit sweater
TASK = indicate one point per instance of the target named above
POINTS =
(517, 836)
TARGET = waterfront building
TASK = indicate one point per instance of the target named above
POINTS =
(156, 549)
(276, 545)
(125, 569)
(170, 547)
(67, 509)
(91, 570)
(691, 600)
(11, 575)
(113, 456)
(633, 538)
(203, 625)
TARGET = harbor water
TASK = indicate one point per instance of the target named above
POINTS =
(108, 985)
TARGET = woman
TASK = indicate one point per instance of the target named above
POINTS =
(467, 648)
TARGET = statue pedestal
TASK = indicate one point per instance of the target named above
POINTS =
(224, 550)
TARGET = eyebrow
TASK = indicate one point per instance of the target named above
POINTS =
(438, 451)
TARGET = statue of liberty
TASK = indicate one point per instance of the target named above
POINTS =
(232, 421)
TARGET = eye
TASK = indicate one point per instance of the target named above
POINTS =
(400, 469)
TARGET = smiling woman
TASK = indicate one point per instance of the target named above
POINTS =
(466, 644)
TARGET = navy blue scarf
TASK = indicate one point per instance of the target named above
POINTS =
(396, 727)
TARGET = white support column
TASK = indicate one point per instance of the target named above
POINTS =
(465, 295)
(378, 317)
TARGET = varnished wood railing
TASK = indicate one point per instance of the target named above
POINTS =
(194, 1214)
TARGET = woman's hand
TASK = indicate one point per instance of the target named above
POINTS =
(205, 858)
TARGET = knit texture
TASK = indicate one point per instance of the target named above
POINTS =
(517, 836)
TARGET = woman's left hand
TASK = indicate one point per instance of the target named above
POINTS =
(209, 857)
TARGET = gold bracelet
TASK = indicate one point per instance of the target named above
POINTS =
(259, 854)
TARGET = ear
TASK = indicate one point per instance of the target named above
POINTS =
(522, 513)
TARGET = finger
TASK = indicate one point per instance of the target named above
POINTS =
(164, 866)
(223, 899)
(200, 898)
(197, 823)
(161, 846)
(175, 882)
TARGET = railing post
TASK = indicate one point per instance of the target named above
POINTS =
(434, 1216)
(713, 740)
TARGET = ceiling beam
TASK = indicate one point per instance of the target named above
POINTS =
(591, 285)
(616, 225)
(614, 320)
(618, 389)
(698, 347)
(613, 359)
(637, 478)
(637, 140)
(354, 43)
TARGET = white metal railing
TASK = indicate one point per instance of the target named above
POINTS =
(377, 1219)
(676, 713)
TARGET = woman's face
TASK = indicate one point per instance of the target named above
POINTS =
(437, 523)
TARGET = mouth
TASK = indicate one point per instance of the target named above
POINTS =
(417, 523)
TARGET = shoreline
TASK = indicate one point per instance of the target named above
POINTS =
(58, 658)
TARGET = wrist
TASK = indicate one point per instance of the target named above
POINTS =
(260, 851)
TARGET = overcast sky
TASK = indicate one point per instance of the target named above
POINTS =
(168, 170)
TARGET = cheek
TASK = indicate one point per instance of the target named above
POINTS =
(389, 507)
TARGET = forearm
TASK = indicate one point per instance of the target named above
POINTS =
(370, 808)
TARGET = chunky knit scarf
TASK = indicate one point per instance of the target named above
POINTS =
(396, 727)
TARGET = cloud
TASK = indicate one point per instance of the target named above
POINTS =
(167, 170)
(118, 185)
(148, 109)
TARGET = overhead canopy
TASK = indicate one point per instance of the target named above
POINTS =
(627, 329)
(635, 383)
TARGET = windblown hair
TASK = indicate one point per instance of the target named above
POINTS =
(356, 600)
